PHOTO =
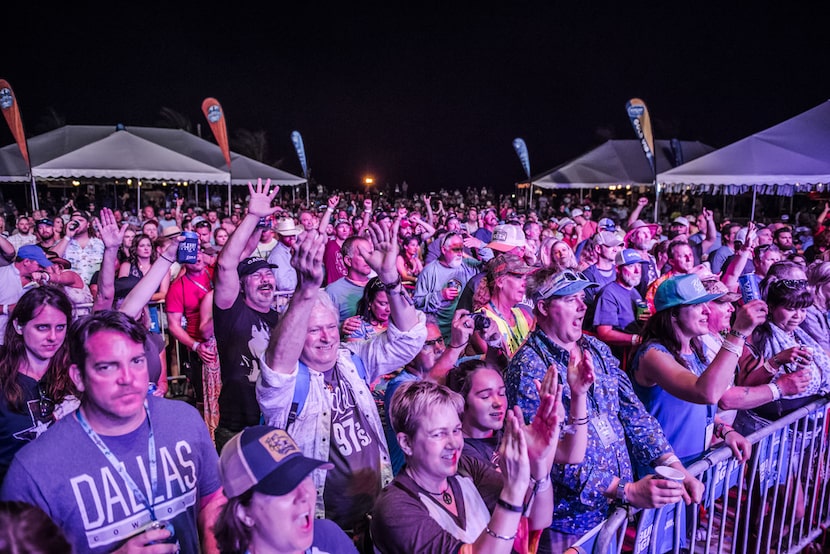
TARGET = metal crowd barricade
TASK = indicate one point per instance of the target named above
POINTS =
(778, 501)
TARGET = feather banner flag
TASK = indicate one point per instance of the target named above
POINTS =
(216, 118)
(521, 150)
(638, 114)
(11, 111)
(297, 139)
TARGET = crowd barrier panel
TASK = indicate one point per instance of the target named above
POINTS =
(746, 508)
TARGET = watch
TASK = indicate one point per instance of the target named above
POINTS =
(621, 491)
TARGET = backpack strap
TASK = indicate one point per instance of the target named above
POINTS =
(302, 383)
(300, 394)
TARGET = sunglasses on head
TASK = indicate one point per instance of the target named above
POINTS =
(562, 279)
(792, 283)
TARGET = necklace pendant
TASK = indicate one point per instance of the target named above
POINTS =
(446, 497)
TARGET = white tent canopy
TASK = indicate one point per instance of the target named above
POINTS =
(59, 142)
(615, 163)
(793, 156)
(124, 156)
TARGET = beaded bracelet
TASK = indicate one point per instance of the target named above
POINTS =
(729, 347)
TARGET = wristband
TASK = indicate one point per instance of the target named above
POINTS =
(729, 347)
(166, 258)
(195, 346)
(768, 367)
(738, 334)
(775, 390)
(621, 492)
(541, 485)
(497, 536)
(509, 507)
(730, 431)
(635, 340)
(390, 286)
(673, 459)
(458, 345)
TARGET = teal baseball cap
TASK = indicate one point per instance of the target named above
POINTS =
(682, 290)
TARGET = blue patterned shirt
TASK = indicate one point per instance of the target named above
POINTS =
(580, 502)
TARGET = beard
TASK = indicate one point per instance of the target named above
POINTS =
(455, 262)
(644, 245)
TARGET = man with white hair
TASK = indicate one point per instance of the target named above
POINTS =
(439, 285)
(318, 389)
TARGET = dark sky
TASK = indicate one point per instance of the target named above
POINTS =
(426, 93)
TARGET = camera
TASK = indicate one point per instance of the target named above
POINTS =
(480, 321)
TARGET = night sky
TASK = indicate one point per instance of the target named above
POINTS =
(421, 92)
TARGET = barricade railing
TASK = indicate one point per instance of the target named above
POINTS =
(777, 501)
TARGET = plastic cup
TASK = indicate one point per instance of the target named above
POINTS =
(669, 474)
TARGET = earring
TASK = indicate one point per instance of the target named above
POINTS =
(249, 521)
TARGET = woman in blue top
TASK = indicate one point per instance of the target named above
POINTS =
(669, 370)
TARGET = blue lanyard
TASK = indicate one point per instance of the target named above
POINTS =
(119, 467)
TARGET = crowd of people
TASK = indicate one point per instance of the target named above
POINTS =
(390, 375)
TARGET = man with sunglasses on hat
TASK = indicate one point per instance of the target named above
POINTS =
(585, 493)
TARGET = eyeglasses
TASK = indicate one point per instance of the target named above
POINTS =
(457, 249)
(433, 342)
(45, 404)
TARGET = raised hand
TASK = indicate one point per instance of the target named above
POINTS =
(749, 316)
(308, 259)
(108, 230)
(383, 257)
(333, 201)
(259, 203)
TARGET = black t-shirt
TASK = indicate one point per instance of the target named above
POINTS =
(242, 335)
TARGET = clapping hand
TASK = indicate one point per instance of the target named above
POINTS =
(513, 459)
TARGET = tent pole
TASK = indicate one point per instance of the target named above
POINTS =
(656, 202)
(230, 192)
(752, 212)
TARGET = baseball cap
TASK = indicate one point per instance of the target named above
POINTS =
(606, 224)
(564, 283)
(507, 237)
(507, 264)
(45, 221)
(566, 221)
(266, 460)
(252, 265)
(33, 252)
(53, 257)
(608, 238)
(682, 290)
(576, 212)
(342, 222)
(628, 256)
(716, 286)
(680, 221)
